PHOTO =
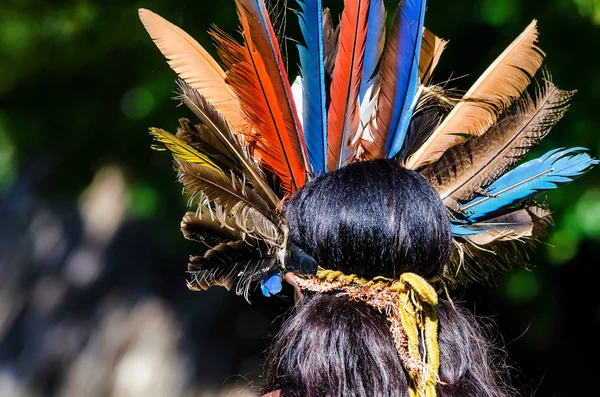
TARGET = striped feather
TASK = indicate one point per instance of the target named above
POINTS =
(503, 81)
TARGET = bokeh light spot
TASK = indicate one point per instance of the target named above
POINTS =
(142, 201)
(522, 286)
(588, 213)
(7, 157)
(137, 103)
(563, 246)
(499, 12)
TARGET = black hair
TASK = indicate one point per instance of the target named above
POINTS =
(337, 347)
(372, 218)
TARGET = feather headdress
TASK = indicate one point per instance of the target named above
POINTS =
(362, 94)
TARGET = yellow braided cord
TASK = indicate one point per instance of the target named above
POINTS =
(415, 309)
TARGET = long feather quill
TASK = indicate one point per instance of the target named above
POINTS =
(274, 139)
(194, 65)
(556, 168)
(343, 114)
(399, 74)
(312, 67)
(464, 170)
(266, 55)
(503, 81)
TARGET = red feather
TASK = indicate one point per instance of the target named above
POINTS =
(270, 136)
(264, 50)
(343, 117)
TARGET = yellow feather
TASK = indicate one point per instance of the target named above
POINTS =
(182, 150)
(194, 65)
(502, 82)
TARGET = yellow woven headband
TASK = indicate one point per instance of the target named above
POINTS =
(410, 305)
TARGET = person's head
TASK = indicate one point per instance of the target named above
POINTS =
(372, 219)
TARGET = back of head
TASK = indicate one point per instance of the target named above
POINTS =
(371, 219)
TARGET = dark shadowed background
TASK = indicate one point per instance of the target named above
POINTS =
(93, 299)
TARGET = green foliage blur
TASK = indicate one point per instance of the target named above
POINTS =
(81, 82)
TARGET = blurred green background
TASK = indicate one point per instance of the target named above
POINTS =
(93, 298)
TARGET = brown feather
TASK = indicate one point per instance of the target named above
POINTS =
(475, 263)
(251, 213)
(504, 80)
(233, 145)
(204, 227)
(234, 264)
(464, 170)
(432, 48)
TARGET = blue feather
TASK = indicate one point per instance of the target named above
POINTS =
(460, 231)
(312, 68)
(271, 285)
(373, 47)
(410, 16)
(555, 168)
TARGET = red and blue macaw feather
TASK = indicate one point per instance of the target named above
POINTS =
(399, 74)
(556, 168)
(343, 116)
(312, 68)
(373, 46)
(262, 41)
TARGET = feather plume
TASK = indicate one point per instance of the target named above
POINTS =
(515, 225)
(201, 138)
(182, 150)
(234, 264)
(194, 65)
(251, 213)
(473, 262)
(204, 227)
(223, 139)
(432, 48)
(504, 80)
(265, 54)
(343, 115)
(463, 170)
(374, 45)
(227, 191)
(312, 68)
(399, 74)
(275, 141)
(556, 168)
